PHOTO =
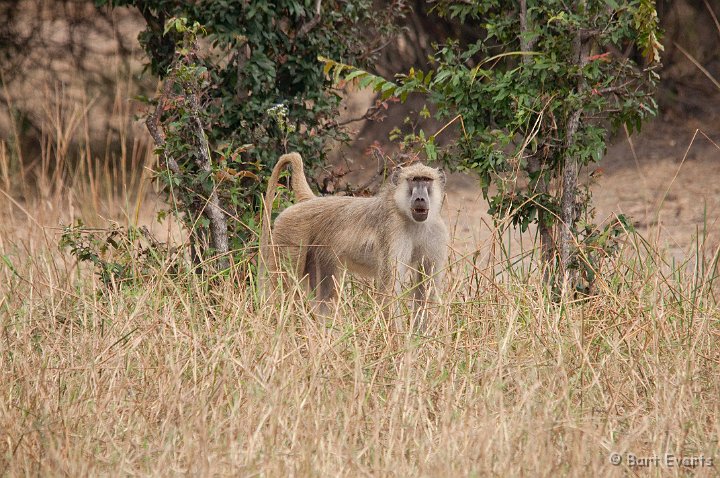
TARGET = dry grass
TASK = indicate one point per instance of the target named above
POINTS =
(171, 375)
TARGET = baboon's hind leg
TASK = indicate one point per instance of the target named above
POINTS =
(325, 291)
(311, 268)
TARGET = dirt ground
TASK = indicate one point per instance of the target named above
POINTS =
(669, 186)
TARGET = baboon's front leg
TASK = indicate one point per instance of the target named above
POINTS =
(437, 264)
(320, 271)
(420, 297)
(427, 291)
(391, 277)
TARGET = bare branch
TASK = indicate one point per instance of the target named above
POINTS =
(373, 113)
(379, 173)
(305, 29)
(152, 123)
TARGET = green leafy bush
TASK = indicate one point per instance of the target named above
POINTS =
(242, 78)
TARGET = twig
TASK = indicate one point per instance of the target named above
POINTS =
(152, 123)
(697, 63)
(305, 29)
(379, 173)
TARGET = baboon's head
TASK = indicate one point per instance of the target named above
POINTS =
(419, 191)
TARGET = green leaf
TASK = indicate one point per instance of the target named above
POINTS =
(355, 74)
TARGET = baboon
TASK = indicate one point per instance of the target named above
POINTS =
(385, 237)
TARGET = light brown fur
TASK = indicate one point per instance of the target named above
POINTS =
(375, 237)
(301, 188)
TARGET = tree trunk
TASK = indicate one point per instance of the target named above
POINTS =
(158, 135)
(212, 209)
(568, 201)
(542, 186)
(569, 195)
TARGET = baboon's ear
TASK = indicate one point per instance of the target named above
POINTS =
(395, 175)
(441, 175)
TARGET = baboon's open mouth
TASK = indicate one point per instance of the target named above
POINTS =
(420, 214)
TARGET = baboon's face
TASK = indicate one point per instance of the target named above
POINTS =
(419, 191)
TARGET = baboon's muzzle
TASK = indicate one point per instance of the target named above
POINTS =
(420, 214)
(420, 201)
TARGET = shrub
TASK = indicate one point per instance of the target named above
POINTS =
(242, 85)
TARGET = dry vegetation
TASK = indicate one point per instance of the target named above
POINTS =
(173, 374)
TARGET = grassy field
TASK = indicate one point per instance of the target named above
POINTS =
(174, 374)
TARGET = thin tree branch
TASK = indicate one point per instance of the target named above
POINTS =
(152, 123)
(305, 29)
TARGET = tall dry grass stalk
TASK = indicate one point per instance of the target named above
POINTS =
(172, 375)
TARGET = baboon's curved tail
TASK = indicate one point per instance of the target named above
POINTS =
(301, 188)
